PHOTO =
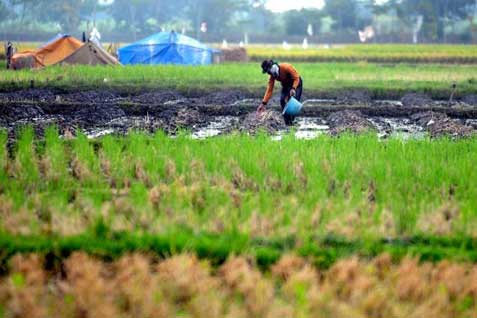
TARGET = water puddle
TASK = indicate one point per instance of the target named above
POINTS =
(218, 125)
(471, 123)
(403, 128)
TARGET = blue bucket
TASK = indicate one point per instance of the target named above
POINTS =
(293, 107)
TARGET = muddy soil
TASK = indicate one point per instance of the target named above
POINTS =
(224, 97)
(106, 111)
(270, 121)
(438, 125)
(172, 121)
(354, 97)
(97, 114)
(90, 97)
(13, 113)
(470, 100)
(349, 121)
(40, 95)
(413, 100)
(157, 97)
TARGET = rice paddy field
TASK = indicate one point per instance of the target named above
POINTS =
(154, 224)
(320, 79)
(374, 53)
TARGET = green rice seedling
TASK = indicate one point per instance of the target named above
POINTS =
(114, 164)
(86, 168)
(26, 161)
(54, 165)
(351, 186)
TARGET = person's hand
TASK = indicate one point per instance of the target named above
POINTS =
(292, 92)
(261, 108)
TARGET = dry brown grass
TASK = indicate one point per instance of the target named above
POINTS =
(17, 221)
(138, 285)
(441, 221)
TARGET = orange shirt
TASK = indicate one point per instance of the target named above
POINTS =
(288, 76)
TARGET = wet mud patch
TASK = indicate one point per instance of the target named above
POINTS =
(173, 120)
(416, 100)
(224, 97)
(353, 97)
(90, 97)
(438, 124)
(270, 121)
(13, 113)
(401, 127)
(349, 121)
(39, 95)
(100, 114)
(157, 97)
(470, 100)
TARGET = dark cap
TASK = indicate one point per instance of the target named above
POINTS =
(266, 65)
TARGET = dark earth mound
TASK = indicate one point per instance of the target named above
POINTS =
(438, 124)
(90, 115)
(359, 97)
(416, 100)
(224, 97)
(13, 113)
(90, 97)
(173, 120)
(269, 121)
(349, 121)
(470, 100)
(40, 95)
(157, 97)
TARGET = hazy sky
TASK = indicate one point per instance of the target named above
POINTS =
(284, 5)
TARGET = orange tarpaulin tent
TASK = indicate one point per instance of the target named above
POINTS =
(49, 54)
(65, 50)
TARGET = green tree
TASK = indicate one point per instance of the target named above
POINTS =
(435, 13)
(216, 13)
(343, 12)
(4, 12)
(296, 22)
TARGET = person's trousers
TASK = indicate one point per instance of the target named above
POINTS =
(285, 96)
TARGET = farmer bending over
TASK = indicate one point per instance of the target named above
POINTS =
(292, 85)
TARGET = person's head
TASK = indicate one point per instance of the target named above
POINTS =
(270, 67)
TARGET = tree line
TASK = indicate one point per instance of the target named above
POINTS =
(432, 20)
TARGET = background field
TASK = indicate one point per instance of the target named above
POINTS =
(375, 53)
(386, 71)
(320, 79)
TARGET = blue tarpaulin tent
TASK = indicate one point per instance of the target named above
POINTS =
(166, 48)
